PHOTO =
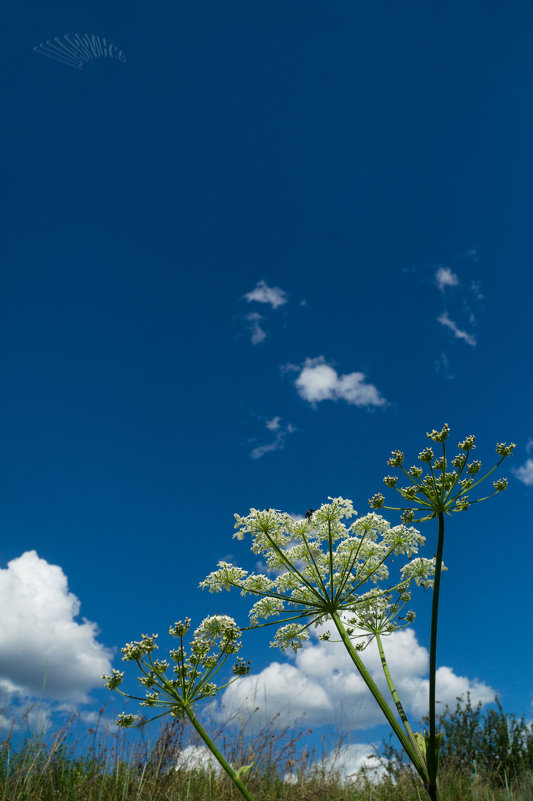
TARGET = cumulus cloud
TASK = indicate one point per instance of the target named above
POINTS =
(348, 760)
(445, 277)
(323, 685)
(254, 321)
(459, 333)
(41, 642)
(267, 294)
(318, 381)
(198, 757)
(524, 473)
(278, 443)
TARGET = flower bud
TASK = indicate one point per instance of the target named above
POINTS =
(426, 455)
(114, 680)
(439, 436)
(500, 484)
(468, 443)
(503, 449)
(376, 501)
(390, 481)
(180, 628)
(396, 459)
(241, 668)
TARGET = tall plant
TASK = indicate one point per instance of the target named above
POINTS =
(322, 570)
(439, 492)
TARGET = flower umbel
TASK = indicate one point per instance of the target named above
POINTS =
(319, 566)
(322, 569)
(442, 489)
(214, 641)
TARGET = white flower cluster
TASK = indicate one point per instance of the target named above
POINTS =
(216, 639)
(320, 566)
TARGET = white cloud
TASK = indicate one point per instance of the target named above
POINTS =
(198, 757)
(525, 472)
(267, 294)
(324, 685)
(349, 759)
(445, 277)
(445, 320)
(273, 424)
(319, 381)
(258, 334)
(279, 443)
(44, 651)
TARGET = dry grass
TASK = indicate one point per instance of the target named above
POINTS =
(116, 766)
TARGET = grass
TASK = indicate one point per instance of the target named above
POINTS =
(484, 758)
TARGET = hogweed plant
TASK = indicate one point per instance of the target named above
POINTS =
(325, 571)
(320, 571)
(214, 642)
(441, 491)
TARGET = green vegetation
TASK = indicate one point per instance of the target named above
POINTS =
(484, 757)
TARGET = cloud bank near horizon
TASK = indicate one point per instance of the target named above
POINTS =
(321, 685)
(44, 651)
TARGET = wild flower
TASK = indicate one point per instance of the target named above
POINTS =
(442, 491)
(174, 686)
(322, 569)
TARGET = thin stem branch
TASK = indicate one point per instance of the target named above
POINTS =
(396, 697)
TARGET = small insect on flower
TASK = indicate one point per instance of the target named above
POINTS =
(310, 513)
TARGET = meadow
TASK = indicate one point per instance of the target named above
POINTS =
(486, 756)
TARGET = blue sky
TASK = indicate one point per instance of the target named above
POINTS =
(238, 268)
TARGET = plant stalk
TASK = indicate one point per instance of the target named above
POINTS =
(218, 756)
(414, 755)
(396, 697)
(432, 756)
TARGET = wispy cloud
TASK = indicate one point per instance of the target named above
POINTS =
(476, 290)
(278, 443)
(524, 473)
(442, 366)
(263, 293)
(458, 332)
(318, 381)
(445, 277)
(258, 334)
(472, 254)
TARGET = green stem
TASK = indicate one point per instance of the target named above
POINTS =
(396, 697)
(432, 759)
(330, 541)
(413, 755)
(315, 566)
(218, 756)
